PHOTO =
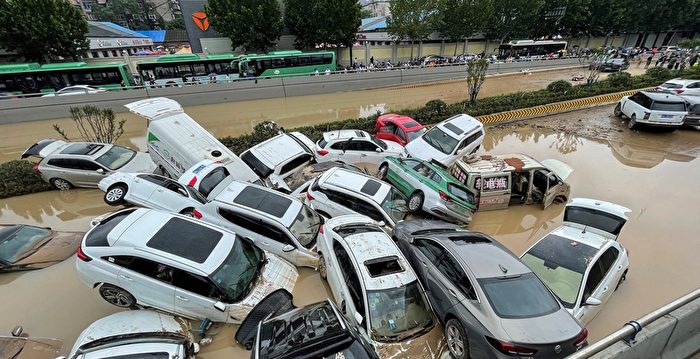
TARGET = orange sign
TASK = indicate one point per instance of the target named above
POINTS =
(200, 19)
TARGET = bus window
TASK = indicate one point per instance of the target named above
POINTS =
(291, 62)
(304, 60)
(317, 60)
(327, 59)
(199, 70)
(278, 63)
(164, 72)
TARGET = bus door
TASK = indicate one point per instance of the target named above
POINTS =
(494, 190)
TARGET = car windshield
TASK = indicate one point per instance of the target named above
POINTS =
(394, 204)
(239, 271)
(305, 227)
(256, 165)
(412, 135)
(379, 142)
(440, 140)
(520, 296)
(116, 157)
(15, 241)
(398, 313)
(671, 85)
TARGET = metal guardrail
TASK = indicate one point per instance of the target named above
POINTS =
(631, 328)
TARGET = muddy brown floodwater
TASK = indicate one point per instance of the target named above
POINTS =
(654, 174)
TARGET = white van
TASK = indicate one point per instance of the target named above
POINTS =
(176, 142)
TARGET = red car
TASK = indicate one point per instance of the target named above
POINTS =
(398, 128)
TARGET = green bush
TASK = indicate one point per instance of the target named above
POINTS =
(18, 177)
(659, 73)
(560, 86)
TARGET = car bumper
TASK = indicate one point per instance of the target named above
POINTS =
(660, 124)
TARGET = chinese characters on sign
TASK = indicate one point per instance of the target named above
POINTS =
(492, 183)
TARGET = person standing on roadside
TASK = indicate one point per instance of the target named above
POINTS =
(651, 57)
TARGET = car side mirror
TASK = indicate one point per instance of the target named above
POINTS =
(100, 171)
(593, 301)
(220, 306)
(379, 150)
(358, 318)
(288, 248)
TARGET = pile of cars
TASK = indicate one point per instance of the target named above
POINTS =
(217, 237)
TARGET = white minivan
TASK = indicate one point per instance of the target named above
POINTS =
(176, 142)
(652, 109)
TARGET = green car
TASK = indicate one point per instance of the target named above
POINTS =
(429, 187)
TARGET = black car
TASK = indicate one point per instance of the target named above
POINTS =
(276, 329)
(616, 64)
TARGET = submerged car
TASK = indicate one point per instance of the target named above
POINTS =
(179, 265)
(492, 305)
(652, 109)
(355, 146)
(84, 164)
(21, 346)
(430, 188)
(27, 247)
(448, 140)
(582, 261)
(398, 128)
(136, 334)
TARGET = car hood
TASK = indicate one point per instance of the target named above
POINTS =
(560, 168)
(421, 149)
(556, 327)
(61, 246)
(140, 163)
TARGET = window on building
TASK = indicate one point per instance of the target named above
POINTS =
(105, 54)
(94, 54)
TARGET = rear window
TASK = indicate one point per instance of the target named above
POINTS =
(523, 296)
(211, 180)
(596, 219)
(256, 165)
(322, 143)
(185, 239)
(461, 193)
(668, 106)
(98, 236)
(671, 85)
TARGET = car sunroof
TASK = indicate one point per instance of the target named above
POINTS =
(453, 128)
(262, 200)
(383, 266)
(185, 239)
(82, 149)
(469, 239)
(371, 187)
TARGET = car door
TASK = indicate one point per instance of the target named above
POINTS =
(692, 89)
(593, 287)
(386, 131)
(552, 188)
(400, 136)
(361, 151)
(469, 144)
(403, 176)
(143, 187)
(170, 196)
(336, 203)
(494, 191)
(148, 281)
(195, 297)
(345, 283)
(338, 152)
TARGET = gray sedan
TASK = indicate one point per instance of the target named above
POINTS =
(491, 304)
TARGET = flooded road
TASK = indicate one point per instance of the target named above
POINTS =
(654, 174)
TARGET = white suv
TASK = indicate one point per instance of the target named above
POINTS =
(680, 86)
(274, 221)
(448, 140)
(179, 265)
(355, 146)
(340, 191)
(653, 109)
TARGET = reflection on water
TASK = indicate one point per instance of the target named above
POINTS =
(640, 156)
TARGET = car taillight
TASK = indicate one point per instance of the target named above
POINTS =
(581, 338)
(82, 256)
(680, 90)
(322, 152)
(36, 168)
(320, 229)
(510, 348)
(192, 182)
(309, 196)
(197, 214)
(444, 196)
(646, 115)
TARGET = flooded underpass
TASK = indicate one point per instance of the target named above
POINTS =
(653, 173)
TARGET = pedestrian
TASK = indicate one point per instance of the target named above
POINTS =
(315, 72)
(649, 61)
(327, 72)
(371, 60)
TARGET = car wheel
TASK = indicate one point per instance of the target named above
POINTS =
(415, 202)
(61, 184)
(559, 199)
(456, 339)
(633, 122)
(115, 194)
(383, 170)
(117, 296)
(322, 271)
(189, 212)
(618, 110)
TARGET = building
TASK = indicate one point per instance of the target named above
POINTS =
(152, 11)
(85, 6)
(171, 40)
(377, 7)
(109, 40)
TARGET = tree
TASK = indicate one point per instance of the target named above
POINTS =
(42, 29)
(476, 74)
(366, 12)
(456, 20)
(177, 23)
(593, 63)
(94, 124)
(338, 25)
(127, 13)
(511, 18)
(251, 24)
(411, 19)
(563, 17)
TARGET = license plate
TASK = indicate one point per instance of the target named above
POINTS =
(666, 116)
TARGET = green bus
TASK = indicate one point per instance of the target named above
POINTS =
(284, 63)
(170, 70)
(32, 78)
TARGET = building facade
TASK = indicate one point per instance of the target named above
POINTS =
(152, 11)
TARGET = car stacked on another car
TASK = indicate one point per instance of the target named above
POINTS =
(355, 146)
(397, 128)
(84, 164)
(448, 140)
(582, 261)
(179, 265)
(491, 304)
(652, 109)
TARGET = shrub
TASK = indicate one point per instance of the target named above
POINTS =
(619, 79)
(659, 73)
(433, 109)
(560, 86)
(18, 177)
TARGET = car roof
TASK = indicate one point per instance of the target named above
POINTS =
(138, 228)
(356, 182)
(663, 97)
(580, 235)
(277, 150)
(498, 163)
(483, 255)
(401, 120)
(343, 134)
(459, 126)
(131, 322)
(271, 203)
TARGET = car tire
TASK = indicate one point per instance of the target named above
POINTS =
(383, 170)
(115, 194)
(117, 296)
(322, 269)
(456, 338)
(415, 202)
(189, 212)
(632, 124)
(61, 184)
(618, 110)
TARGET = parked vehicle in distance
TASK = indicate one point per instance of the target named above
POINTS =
(582, 261)
(433, 60)
(680, 86)
(485, 296)
(497, 181)
(26, 247)
(275, 328)
(77, 90)
(692, 118)
(448, 140)
(430, 188)
(151, 190)
(375, 287)
(464, 58)
(274, 221)
(84, 164)
(136, 333)
(18, 345)
(179, 265)
(176, 142)
(339, 191)
(355, 146)
(652, 109)
(279, 157)
(616, 64)
(397, 128)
